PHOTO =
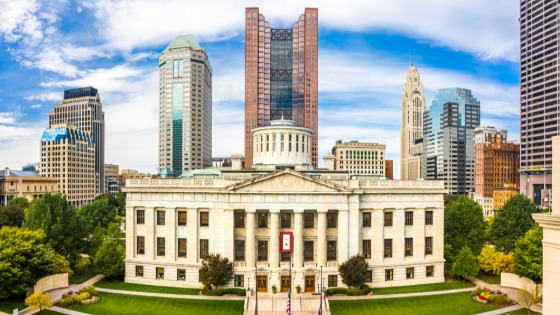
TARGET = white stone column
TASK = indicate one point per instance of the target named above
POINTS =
(192, 236)
(398, 235)
(343, 243)
(170, 235)
(250, 239)
(352, 228)
(130, 233)
(228, 235)
(298, 240)
(150, 239)
(321, 238)
(274, 240)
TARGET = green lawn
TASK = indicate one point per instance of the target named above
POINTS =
(145, 288)
(423, 288)
(82, 276)
(9, 306)
(120, 304)
(48, 312)
(523, 312)
(490, 279)
(447, 304)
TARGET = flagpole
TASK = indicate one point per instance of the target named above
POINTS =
(321, 307)
(290, 292)
(256, 292)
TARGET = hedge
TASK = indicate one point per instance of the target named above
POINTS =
(220, 292)
(364, 289)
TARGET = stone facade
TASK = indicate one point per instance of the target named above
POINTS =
(172, 223)
(412, 123)
(26, 184)
(360, 157)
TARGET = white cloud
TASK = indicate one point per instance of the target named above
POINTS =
(7, 117)
(17, 19)
(46, 96)
(36, 106)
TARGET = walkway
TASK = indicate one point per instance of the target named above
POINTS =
(512, 293)
(275, 304)
(399, 295)
(66, 311)
(171, 296)
(504, 310)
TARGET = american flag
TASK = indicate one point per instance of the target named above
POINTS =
(288, 304)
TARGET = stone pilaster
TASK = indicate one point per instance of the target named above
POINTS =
(321, 238)
(298, 240)
(192, 236)
(274, 240)
(250, 247)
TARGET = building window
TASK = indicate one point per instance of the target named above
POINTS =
(285, 256)
(263, 251)
(139, 271)
(181, 274)
(369, 276)
(239, 220)
(366, 222)
(388, 248)
(429, 271)
(160, 217)
(408, 246)
(161, 246)
(140, 245)
(331, 250)
(332, 218)
(182, 218)
(262, 220)
(429, 217)
(388, 218)
(203, 248)
(410, 273)
(388, 274)
(285, 220)
(204, 218)
(308, 250)
(333, 281)
(308, 220)
(159, 273)
(239, 281)
(139, 216)
(182, 247)
(429, 245)
(409, 218)
(366, 248)
(239, 250)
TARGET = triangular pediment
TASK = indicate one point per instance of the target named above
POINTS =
(287, 181)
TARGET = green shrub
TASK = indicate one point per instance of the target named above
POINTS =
(89, 289)
(93, 300)
(499, 299)
(82, 296)
(68, 300)
(478, 291)
(232, 291)
(364, 289)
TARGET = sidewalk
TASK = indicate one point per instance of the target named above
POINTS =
(400, 295)
(512, 293)
(171, 296)
(66, 311)
(504, 310)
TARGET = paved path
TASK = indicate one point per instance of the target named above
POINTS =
(512, 293)
(171, 296)
(66, 311)
(400, 295)
(275, 304)
(504, 310)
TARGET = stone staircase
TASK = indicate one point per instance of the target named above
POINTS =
(275, 304)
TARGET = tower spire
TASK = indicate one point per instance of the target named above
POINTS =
(411, 59)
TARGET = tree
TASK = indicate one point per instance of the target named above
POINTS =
(109, 197)
(99, 213)
(487, 258)
(464, 226)
(503, 263)
(20, 201)
(12, 215)
(39, 300)
(353, 271)
(121, 200)
(465, 263)
(512, 221)
(216, 271)
(109, 259)
(100, 234)
(24, 257)
(61, 223)
(528, 257)
(61, 265)
(528, 297)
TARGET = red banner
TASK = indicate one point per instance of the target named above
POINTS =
(286, 242)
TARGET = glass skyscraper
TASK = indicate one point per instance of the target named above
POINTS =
(449, 139)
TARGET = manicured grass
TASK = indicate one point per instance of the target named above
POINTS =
(448, 304)
(523, 311)
(9, 306)
(490, 279)
(144, 288)
(120, 304)
(423, 288)
(82, 276)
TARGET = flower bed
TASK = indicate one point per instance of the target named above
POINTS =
(87, 295)
(483, 296)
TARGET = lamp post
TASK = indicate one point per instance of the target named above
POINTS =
(256, 292)
(321, 307)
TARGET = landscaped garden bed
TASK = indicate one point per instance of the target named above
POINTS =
(364, 290)
(483, 296)
(86, 296)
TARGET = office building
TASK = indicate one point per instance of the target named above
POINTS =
(281, 75)
(111, 172)
(540, 111)
(82, 109)
(412, 122)
(503, 194)
(496, 165)
(389, 169)
(185, 106)
(68, 154)
(449, 139)
(24, 184)
(359, 158)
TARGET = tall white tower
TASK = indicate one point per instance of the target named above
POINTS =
(185, 107)
(413, 107)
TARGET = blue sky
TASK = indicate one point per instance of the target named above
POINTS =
(364, 54)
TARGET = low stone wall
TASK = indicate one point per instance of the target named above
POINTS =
(60, 280)
(512, 280)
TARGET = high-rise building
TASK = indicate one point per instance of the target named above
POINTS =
(413, 107)
(68, 154)
(389, 169)
(281, 75)
(359, 158)
(540, 101)
(185, 106)
(449, 139)
(496, 167)
(81, 108)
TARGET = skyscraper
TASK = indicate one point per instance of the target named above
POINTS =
(81, 109)
(281, 71)
(449, 139)
(540, 101)
(413, 107)
(185, 106)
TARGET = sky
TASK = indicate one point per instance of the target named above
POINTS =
(364, 55)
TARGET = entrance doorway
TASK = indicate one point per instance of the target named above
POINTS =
(285, 283)
(262, 283)
(309, 283)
